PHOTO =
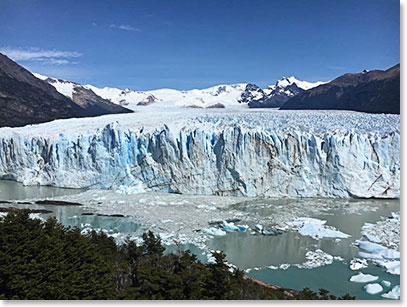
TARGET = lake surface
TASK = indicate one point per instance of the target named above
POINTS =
(254, 253)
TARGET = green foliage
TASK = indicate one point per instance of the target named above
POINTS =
(45, 260)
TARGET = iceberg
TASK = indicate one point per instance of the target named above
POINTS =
(385, 283)
(377, 251)
(243, 228)
(394, 294)
(214, 231)
(259, 228)
(371, 238)
(229, 227)
(373, 288)
(392, 267)
(315, 228)
(251, 154)
(363, 278)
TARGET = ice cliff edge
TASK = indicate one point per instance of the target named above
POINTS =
(236, 160)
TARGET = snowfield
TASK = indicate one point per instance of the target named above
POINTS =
(213, 152)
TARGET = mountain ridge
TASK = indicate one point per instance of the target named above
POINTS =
(375, 91)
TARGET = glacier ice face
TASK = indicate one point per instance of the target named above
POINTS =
(273, 154)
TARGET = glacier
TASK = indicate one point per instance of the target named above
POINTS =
(251, 154)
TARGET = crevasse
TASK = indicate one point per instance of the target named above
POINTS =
(234, 161)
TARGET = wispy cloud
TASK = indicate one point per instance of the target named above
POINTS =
(53, 57)
(124, 27)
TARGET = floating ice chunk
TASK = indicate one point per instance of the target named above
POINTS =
(370, 255)
(258, 228)
(385, 283)
(363, 278)
(394, 294)
(373, 288)
(357, 264)
(372, 238)
(243, 228)
(229, 227)
(315, 228)
(392, 267)
(377, 251)
(214, 231)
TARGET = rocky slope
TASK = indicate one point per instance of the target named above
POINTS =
(276, 95)
(24, 99)
(373, 91)
(93, 104)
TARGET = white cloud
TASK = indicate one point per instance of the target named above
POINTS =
(124, 27)
(53, 57)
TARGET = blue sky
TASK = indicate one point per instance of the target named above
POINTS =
(196, 44)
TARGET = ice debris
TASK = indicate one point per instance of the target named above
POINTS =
(393, 294)
(213, 231)
(377, 251)
(357, 264)
(386, 231)
(363, 278)
(231, 227)
(316, 259)
(392, 267)
(315, 228)
(385, 283)
(371, 238)
(373, 288)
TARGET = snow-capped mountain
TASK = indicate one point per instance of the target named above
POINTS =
(239, 95)
(84, 97)
(284, 89)
(216, 96)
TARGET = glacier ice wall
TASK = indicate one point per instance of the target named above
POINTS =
(234, 161)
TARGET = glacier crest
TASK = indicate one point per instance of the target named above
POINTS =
(234, 161)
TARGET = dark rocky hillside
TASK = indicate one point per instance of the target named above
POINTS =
(25, 99)
(93, 104)
(374, 91)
